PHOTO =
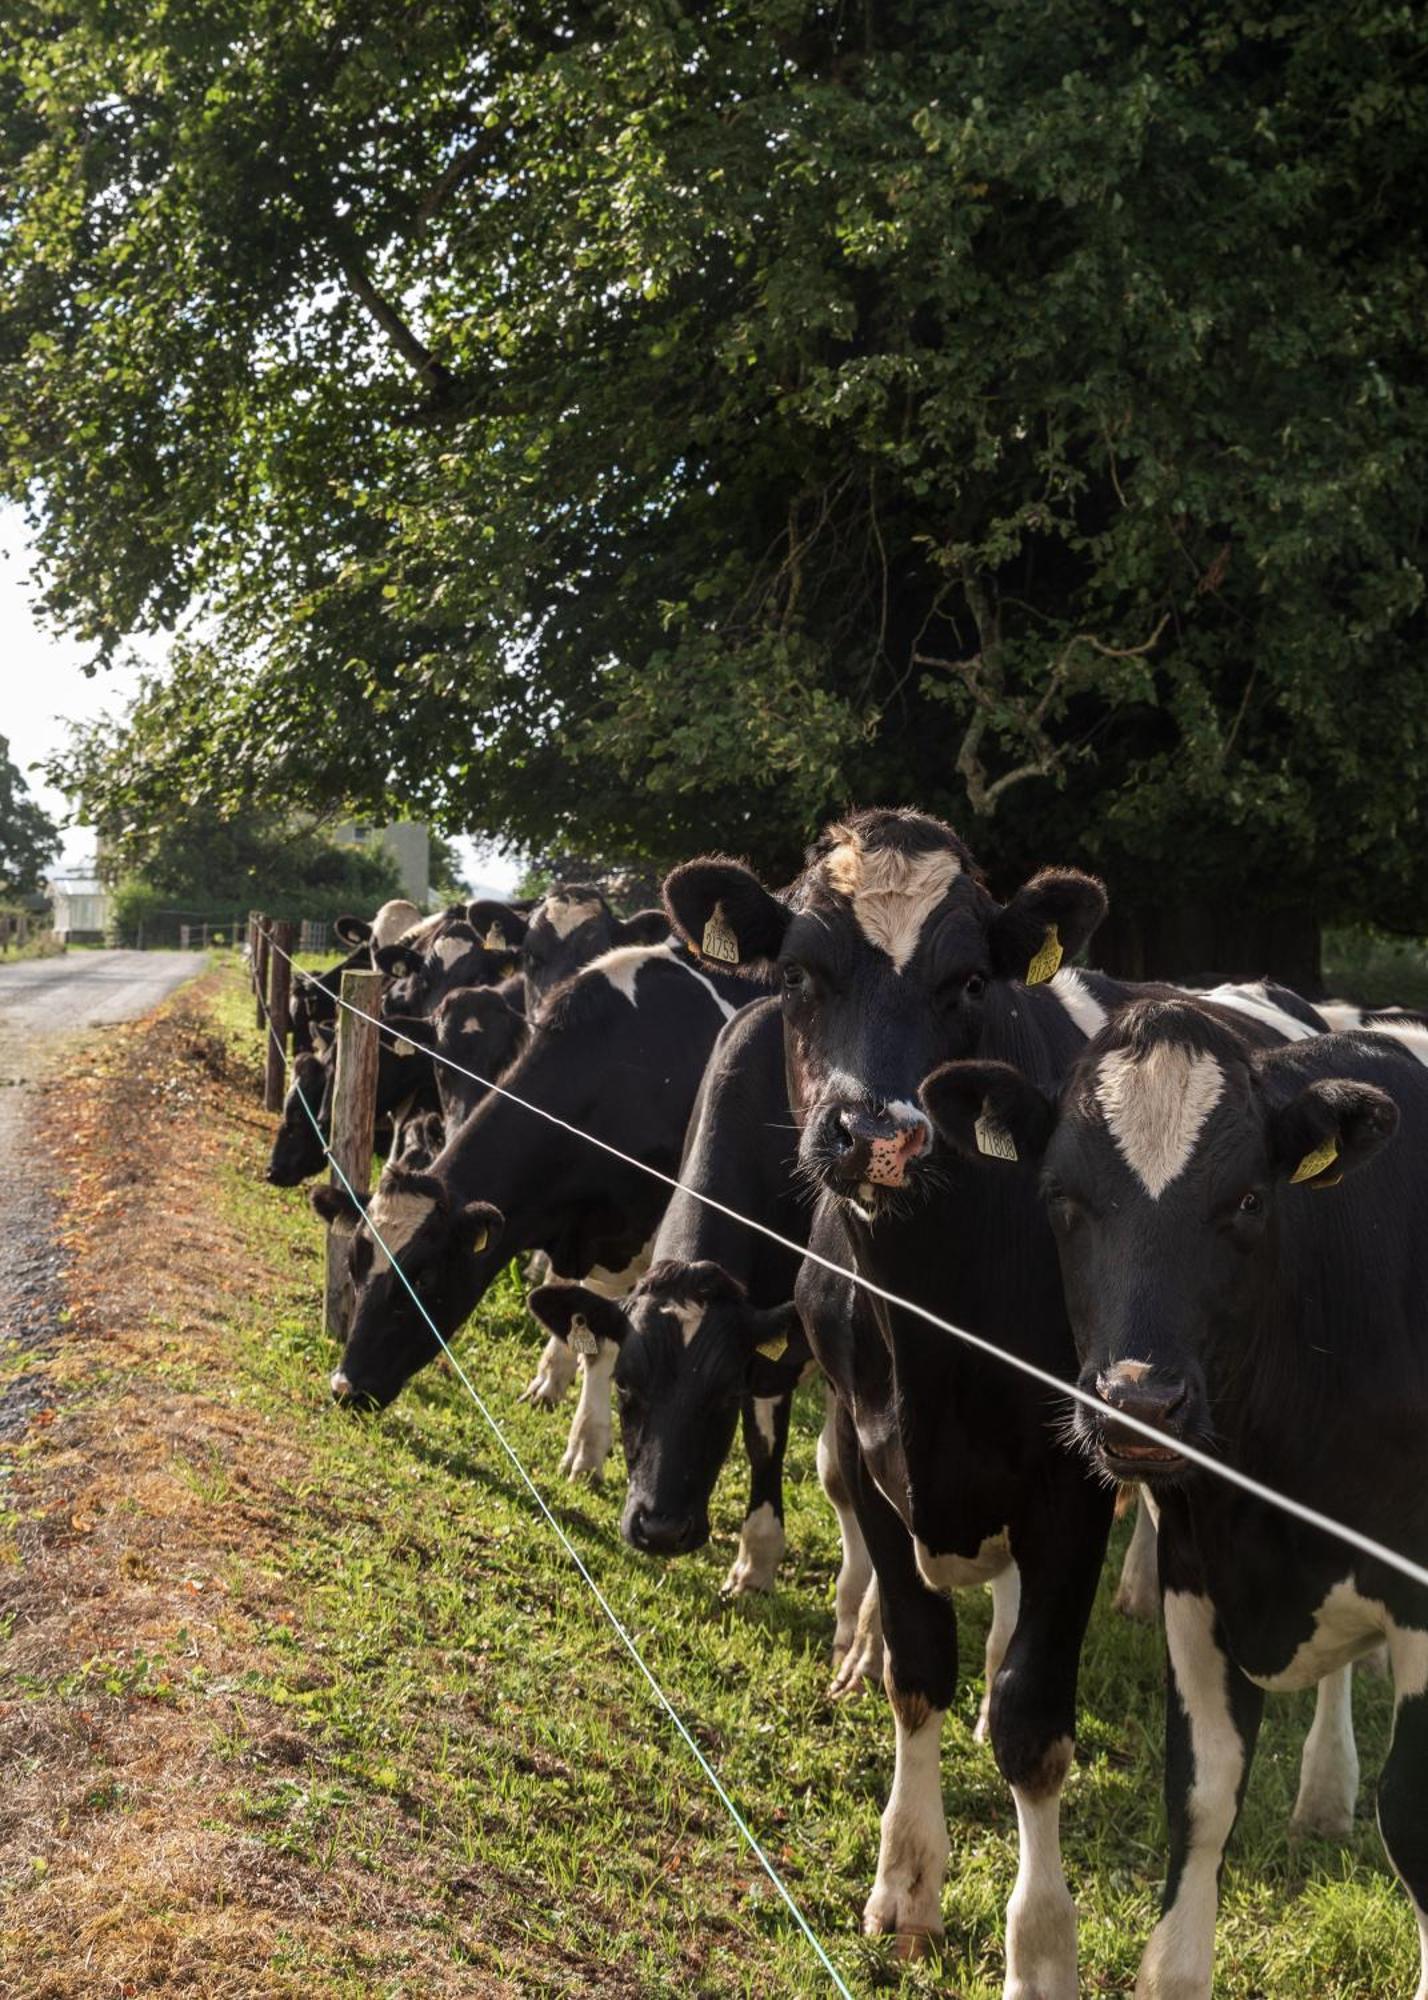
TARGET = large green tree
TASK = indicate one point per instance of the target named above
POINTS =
(29, 840)
(639, 425)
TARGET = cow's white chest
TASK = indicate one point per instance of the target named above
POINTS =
(1346, 1625)
(951, 1572)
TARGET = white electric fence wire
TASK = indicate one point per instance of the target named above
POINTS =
(570, 1549)
(1311, 1516)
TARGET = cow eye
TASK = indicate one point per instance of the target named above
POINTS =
(795, 979)
(1251, 1203)
(976, 984)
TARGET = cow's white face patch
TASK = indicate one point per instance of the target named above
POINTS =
(1079, 1001)
(892, 893)
(565, 914)
(449, 949)
(689, 1316)
(395, 1215)
(1155, 1107)
(393, 921)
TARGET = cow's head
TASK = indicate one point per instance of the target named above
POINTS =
(499, 926)
(446, 1251)
(457, 956)
(297, 1149)
(574, 924)
(691, 1348)
(475, 1028)
(889, 952)
(1167, 1168)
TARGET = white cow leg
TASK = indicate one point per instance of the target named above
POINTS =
(1041, 1916)
(1138, 1592)
(1403, 1785)
(856, 1570)
(912, 1852)
(1329, 1769)
(554, 1374)
(1006, 1603)
(590, 1432)
(1208, 1750)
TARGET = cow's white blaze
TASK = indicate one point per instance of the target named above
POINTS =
(1155, 1106)
(565, 914)
(892, 893)
(1079, 1001)
(449, 949)
(689, 1315)
(395, 1215)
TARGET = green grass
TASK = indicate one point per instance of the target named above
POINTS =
(453, 1662)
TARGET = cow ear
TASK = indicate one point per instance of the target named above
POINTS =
(644, 927)
(989, 1109)
(335, 1204)
(497, 924)
(1051, 917)
(779, 1350)
(725, 912)
(397, 961)
(352, 931)
(1328, 1130)
(559, 1307)
(403, 1033)
(477, 1226)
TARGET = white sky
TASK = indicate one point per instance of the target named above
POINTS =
(42, 688)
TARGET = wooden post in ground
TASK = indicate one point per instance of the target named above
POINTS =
(254, 919)
(260, 971)
(354, 1119)
(280, 978)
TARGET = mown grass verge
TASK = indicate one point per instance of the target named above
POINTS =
(477, 1793)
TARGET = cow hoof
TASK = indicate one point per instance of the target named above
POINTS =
(860, 1667)
(1140, 1601)
(1329, 1819)
(580, 1473)
(744, 1579)
(1375, 1663)
(910, 1941)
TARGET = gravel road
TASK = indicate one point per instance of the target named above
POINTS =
(45, 1004)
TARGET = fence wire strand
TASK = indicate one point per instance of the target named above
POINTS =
(617, 1624)
(1070, 1391)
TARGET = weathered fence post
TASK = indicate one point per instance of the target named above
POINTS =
(280, 975)
(260, 969)
(354, 1119)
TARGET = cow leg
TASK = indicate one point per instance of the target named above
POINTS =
(1006, 1604)
(920, 1675)
(590, 1432)
(1329, 1768)
(1403, 1786)
(554, 1374)
(1138, 1592)
(1212, 1717)
(1032, 1723)
(761, 1539)
(856, 1571)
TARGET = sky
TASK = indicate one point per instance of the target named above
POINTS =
(43, 687)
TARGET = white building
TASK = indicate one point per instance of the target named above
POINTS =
(81, 905)
(408, 843)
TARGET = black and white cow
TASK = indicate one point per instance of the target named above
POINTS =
(888, 948)
(1226, 1289)
(709, 1336)
(297, 1151)
(422, 972)
(474, 1032)
(571, 925)
(405, 1085)
(618, 1053)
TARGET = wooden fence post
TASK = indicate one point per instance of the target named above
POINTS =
(354, 1119)
(260, 970)
(280, 976)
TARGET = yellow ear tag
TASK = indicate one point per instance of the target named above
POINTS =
(1313, 1164)
(581, 1339)
(719, 941)
(495, 939)
(993, 1138)
(1047, 961)
(480, 1242)
(775, 1349)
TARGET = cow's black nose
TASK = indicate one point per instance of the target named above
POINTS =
(1133, 1389)
(662, 1534)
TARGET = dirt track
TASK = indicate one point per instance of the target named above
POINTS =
(43, 1003)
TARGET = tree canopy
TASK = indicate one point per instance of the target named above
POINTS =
(29, 840)
(641, 426)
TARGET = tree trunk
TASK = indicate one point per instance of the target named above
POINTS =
(1198, 944)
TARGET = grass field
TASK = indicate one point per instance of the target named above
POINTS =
(485, 1797)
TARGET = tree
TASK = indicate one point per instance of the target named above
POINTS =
(635, 427)
(29, 840)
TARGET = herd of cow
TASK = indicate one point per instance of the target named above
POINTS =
(1185, 1201)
